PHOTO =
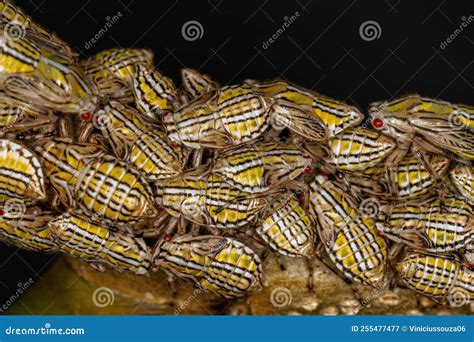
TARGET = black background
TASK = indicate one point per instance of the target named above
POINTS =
(322, 50)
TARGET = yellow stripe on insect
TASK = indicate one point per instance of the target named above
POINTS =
(439, 126)
(287, 228)
(148, 150)
(357, 149)
(18, 56)
(257, 167)
(462, 177)
(154, 93)
(27, 230)
(196, 83)
(42, 78)
(206, 199)
(151, 154)
(112, 191)
(17, 25)
(117, 63)
(21, 174)
(62, 163)
(79, 237)
(243, 113)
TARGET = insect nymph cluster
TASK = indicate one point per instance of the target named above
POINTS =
(105, 159)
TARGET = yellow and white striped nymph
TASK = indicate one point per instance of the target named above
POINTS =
(439, 126)
(78, 237)
(217, 264)
(207, 199)
(443, 279)
(357, 149)
(350, 239)
(145, 148)
(287, 228)
(260, 166)
(43, 79)
(336, 115)
(101, 186)
(237, 114)
(437, 226)
(407, 180)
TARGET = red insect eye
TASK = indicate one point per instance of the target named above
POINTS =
(1, 212)
(86, 116)
(377, 123)
(165, 113)
(167, 238)
(301, 198)
(308, 169)
(175, 144)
